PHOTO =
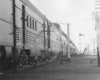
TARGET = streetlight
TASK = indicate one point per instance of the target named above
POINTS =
(80, 40)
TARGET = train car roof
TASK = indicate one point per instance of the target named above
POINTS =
(57, 26)
(65, 35)
(33, 8)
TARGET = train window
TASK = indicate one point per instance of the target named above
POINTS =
(30, 22)
(35, 26)
(27, 21)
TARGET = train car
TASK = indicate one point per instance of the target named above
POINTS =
(6, 31)
(55, 39)
(64, 43)
(73, 49)
(30, 26)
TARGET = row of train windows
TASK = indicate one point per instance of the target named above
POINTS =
(32, 24)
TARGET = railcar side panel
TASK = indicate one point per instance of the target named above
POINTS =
(55, 40)
(34, 37)
(6, 28)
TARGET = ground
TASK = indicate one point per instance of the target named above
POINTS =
(80, 68)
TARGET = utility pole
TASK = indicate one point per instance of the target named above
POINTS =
(80, 43)
(44, 36)
(88, 49)
(23, 23)
(98, 56)
(97, 28)
(97, 13)
(97, 9)
(48, 33)
(80, 40)
(60, 40)
(94, 45)
(68, 32)
(14, 35)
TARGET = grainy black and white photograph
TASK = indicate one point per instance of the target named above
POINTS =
(49, 40)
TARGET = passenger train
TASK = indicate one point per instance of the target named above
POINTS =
(36, 38)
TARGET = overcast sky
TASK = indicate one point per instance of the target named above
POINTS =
(77, 12)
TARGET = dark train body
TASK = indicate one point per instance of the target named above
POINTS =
(37, 39)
